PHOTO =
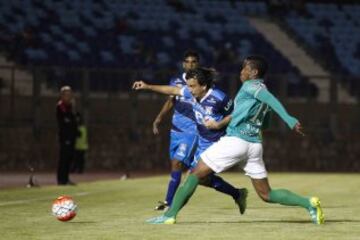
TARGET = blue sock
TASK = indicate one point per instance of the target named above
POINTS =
(220, 185)
(173, 185)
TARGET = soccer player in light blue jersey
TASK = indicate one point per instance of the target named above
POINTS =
(242, 143)
(183, 133)
(212, 110)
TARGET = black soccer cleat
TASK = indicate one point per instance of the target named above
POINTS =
(162, 206)
(241, 200)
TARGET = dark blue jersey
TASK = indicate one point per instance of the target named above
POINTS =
(214, 105)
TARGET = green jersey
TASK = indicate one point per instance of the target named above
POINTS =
(252, 106)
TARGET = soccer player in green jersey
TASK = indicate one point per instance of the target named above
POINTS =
(242, 143)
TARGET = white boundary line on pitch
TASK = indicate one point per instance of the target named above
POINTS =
(26, 201)
(17, 202)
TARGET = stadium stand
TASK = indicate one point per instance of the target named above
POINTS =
(330, 32)
(138, 34)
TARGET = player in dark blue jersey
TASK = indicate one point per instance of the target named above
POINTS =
(211, 108)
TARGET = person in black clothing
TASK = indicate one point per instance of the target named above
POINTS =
(67, 134)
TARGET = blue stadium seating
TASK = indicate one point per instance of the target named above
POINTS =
(138, 34)
(331, 29)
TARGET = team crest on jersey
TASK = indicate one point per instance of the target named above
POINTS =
(208, 110)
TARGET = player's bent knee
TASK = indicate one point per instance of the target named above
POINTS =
(205, 181)
(176, 165)
(202, 170)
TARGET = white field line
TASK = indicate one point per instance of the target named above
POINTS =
(26, 201)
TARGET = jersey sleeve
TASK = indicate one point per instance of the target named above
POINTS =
(266, 97)
(172, 82)
(185, 92)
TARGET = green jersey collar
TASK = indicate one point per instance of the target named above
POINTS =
(255, 80)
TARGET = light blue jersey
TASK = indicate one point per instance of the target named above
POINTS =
(183, 119)
(251, 107)
(214, 105)
(183, 134)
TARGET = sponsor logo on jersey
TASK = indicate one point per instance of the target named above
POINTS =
(228, 105)
(182, 150)
(211, 100)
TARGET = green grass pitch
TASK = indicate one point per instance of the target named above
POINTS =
(117, 210)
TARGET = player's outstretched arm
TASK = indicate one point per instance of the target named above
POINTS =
(265, 96)
(164, 89)
(168, 105)
(216, 125)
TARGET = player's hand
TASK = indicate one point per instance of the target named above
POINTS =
(299, 129)
(138, 85)
(211, 124)
(156, 124)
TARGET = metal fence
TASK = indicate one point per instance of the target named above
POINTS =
(111, 84)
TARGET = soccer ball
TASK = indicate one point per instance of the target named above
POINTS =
(64, 208)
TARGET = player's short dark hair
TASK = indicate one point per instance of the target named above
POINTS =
(204, 76)
(192, 53)
(259, 63)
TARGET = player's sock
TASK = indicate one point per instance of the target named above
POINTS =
(182, 195)
(221, 185)
(285, 197)
(173, 185)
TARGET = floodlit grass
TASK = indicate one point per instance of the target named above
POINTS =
(118, 209)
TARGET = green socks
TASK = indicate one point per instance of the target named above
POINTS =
(183, 194)
(285, 197)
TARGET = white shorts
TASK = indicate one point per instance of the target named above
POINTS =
(229, 151)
